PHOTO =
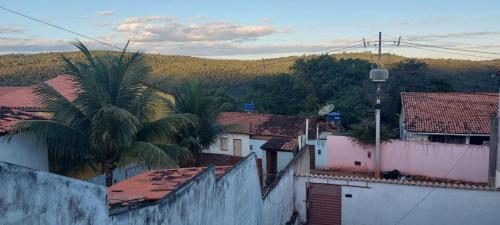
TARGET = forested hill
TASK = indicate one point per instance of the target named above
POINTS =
(18, 69)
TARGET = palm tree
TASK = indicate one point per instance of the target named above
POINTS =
(194, 98)
(115, 120)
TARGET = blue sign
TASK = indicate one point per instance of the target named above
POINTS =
(248, 107)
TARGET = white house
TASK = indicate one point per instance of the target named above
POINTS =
(18, 149)
(451, 117)
(248, 132)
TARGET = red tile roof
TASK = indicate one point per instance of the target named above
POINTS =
(281, 144)
(25, 97)
(263, 124)
(9, 118)
(452, 113)
(153, 185)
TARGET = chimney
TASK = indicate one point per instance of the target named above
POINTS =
(307, 130)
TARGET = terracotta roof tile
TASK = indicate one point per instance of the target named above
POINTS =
(453, 113)
(10, 117)
(153, 185)
(281, 144)
(262, 124)
(25, 97)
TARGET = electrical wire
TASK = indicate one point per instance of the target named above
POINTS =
(60, 28)
(453, 49)
(448, 52)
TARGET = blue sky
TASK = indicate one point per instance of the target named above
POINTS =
(254, 29)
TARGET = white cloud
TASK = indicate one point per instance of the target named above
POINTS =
(159, 29)
(106, 13)
(10, 30)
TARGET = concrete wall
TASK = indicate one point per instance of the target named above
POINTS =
(384, 204)
(320, 153)
(245, 144)
(283, 159)
(21, 151)
(451, 161)
(278, 204)
(36, 197)
(234, 198)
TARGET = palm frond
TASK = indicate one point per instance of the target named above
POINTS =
(61, 109)
(147, 153)
(162, 131)
(63, 142)
(113, 128)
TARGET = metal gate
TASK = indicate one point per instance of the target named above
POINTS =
(324, 204)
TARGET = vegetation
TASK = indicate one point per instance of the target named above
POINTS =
(115, 121)
(194, 98)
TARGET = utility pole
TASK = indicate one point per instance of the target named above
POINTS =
(378, 75)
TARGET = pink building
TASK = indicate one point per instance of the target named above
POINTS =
(437, 160)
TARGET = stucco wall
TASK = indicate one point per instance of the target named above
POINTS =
(245, 145)
(36, 197)
(283, 159)
(278, 204)
(234, 198)
(452, 161)
(21, 151)
(384, 204)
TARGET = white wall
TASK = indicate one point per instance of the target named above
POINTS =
(283, 159)
(384, 204)
(321, 153)
(278, 204)
(37, 197)
(245, 144)
(21, 151)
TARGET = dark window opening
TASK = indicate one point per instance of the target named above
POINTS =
(357, 163)
(479, 140)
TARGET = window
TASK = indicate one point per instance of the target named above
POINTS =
(223, 144)
(251, 147)
(369, 155)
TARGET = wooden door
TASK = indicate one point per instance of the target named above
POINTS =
(237, 147)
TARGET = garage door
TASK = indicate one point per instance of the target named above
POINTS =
(324, 204)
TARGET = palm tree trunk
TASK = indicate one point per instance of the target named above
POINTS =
(108, 173)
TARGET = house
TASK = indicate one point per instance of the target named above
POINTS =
(17, 149)
(248, 132)
(451, 117)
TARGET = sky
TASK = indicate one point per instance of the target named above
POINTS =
(258, 28)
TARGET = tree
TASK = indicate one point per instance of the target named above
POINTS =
(364, 133)
(194, 98)
(115, 120)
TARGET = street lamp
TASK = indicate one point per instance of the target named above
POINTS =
(378, 76)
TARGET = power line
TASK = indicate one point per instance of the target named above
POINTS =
(448, 52)
(453, 49)
(60, 28)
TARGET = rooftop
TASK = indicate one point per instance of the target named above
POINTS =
(450, 112)
(10, 117)
(263, 124)
(281, 144)
(25, 97)
(153, 185)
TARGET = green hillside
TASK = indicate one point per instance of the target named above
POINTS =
(18, 69)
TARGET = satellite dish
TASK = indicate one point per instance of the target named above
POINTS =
(326, 109)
